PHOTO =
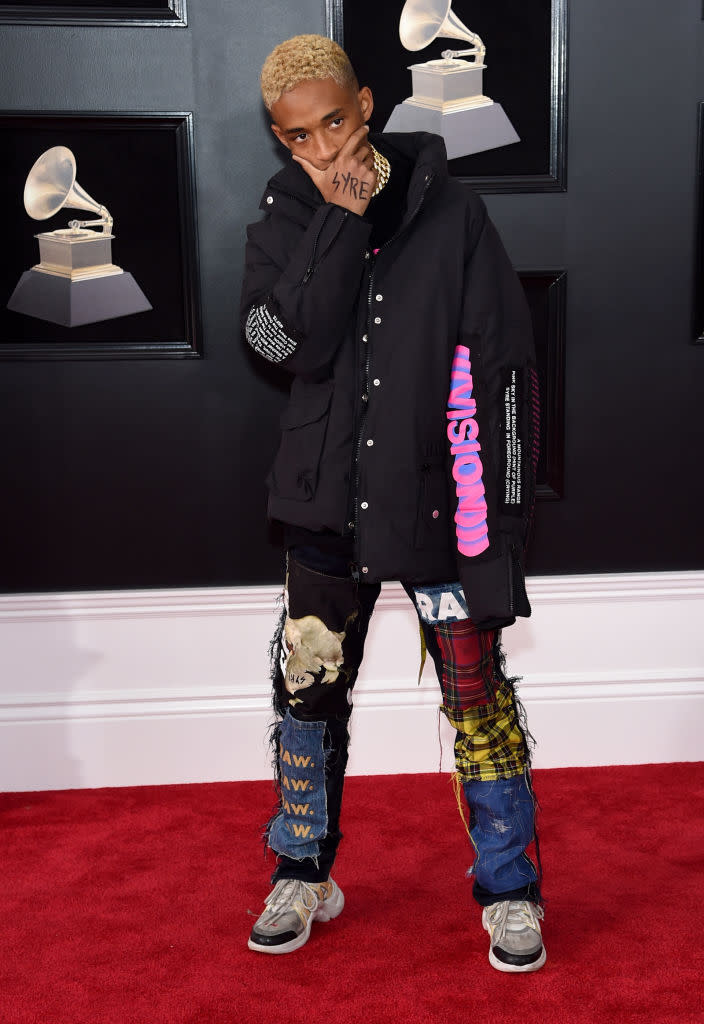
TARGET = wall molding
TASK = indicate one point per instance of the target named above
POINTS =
(160, 686)
(394, 695)
(206, 601)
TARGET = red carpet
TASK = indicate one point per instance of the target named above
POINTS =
(130, 907)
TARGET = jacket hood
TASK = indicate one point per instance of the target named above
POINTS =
(425, 150)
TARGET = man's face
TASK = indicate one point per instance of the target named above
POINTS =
(316, 119)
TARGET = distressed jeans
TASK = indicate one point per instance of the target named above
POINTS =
(320, 650)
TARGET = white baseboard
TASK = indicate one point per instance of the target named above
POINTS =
(158, 687)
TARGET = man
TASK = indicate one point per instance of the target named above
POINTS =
(407, 452)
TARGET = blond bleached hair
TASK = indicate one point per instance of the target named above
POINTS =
(301, 59)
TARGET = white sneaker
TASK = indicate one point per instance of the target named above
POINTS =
(291, 908)
(516, 942)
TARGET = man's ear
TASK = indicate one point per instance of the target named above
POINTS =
(366, 102)
(280, 135)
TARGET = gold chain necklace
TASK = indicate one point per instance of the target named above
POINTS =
(383, 170)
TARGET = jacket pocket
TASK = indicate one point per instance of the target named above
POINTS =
(432, 517)
(304, 424)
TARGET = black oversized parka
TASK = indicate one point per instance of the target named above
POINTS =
(412, 420)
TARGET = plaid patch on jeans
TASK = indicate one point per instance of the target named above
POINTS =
(490, 743)
(468, 679)
(479, 701)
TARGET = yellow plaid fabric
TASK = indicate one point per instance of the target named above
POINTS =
(489, 744)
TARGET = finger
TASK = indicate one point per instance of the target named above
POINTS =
(364, 151)
(354, 141)
(311, 170)
(306, 164)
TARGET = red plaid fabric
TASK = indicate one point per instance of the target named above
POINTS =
(468, 678)
(480, 703)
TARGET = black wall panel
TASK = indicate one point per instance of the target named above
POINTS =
(139, 473)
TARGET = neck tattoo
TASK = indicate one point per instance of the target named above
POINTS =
(383, 170)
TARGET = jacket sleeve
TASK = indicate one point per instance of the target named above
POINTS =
(301, 284)
(493, 431)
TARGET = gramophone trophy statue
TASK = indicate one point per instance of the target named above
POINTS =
(75, 281)
(447, 94)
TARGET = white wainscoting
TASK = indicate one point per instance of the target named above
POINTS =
(167, 686)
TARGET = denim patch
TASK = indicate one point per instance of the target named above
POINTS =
(501, 827)
(441, 602)
(303, 818)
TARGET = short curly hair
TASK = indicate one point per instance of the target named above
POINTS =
(301, 59)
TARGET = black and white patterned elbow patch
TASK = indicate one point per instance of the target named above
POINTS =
(267, 336)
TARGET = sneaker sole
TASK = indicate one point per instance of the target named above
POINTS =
(517, 968)
(328, 910)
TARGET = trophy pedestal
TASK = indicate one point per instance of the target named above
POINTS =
(73, 303)
(464, 131)
(76, 282)
(448, 100)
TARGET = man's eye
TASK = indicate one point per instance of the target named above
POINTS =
(301, 138)
(336, 122)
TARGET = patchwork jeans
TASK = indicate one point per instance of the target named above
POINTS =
(320, 650)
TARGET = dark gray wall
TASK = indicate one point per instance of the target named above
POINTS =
(149, 473)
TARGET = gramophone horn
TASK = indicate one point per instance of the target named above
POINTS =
(422, 21)
(51, 184)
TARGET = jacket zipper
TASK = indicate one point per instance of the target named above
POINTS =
(326, 250)
(365, 402)
(311, 268)
(367, 362)
(514, 563)
(311, 265)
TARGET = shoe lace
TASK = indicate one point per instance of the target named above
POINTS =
(292, 894)
(513, 915)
